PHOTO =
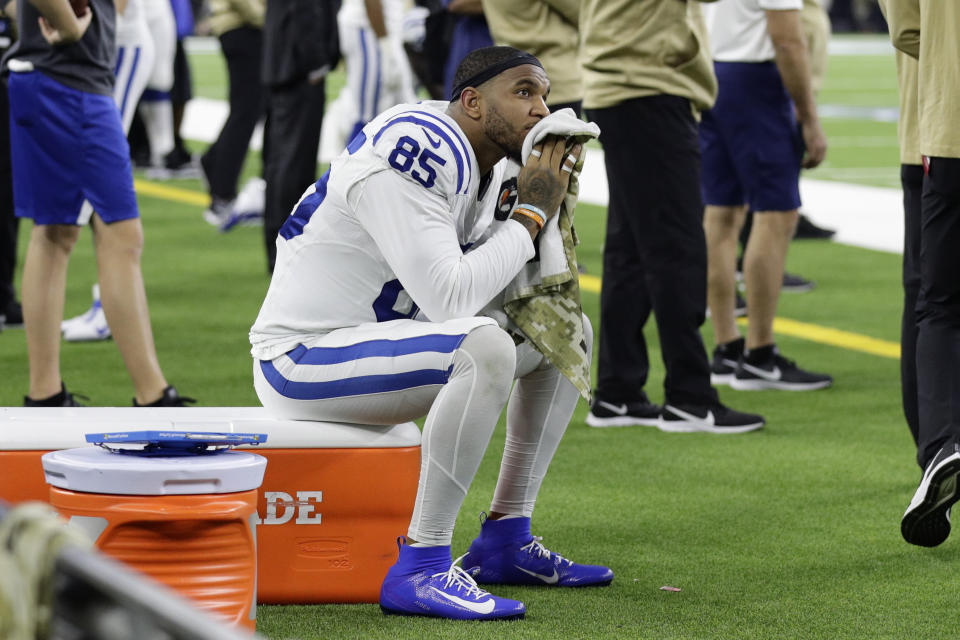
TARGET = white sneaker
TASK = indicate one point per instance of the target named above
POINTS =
(248, 208)
(252, 198)
(89, 327)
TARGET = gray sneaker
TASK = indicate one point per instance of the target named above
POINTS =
(219, 212)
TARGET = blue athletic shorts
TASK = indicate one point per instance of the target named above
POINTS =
(750, 141)
(66, 146)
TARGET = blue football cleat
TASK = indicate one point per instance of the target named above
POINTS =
(495, 559)
(447, 593)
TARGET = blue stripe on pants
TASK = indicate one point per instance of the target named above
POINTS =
(438, 343)
(126, 90)
(360, 385)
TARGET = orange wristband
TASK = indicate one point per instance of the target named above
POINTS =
(532, 215)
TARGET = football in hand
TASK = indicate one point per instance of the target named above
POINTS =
(79, 7)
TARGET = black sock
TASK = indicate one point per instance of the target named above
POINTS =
(759, 355)
(56, 400)
(732, 349)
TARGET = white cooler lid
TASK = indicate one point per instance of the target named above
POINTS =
(93, 469)
(48, 428)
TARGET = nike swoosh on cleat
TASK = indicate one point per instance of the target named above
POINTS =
(547, 579)
(434, 143)
(763, 373)
(484, 607)
(707, 420)
(619, 409)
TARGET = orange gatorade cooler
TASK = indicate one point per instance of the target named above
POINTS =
(333, 501)
(187, 521)
(334, 496)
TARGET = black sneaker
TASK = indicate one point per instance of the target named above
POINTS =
(141, 161)
(796, 284)
(182, 164)
(777, 373)
(177, 165)
(626, 414)
(927, 520)
(807, 229)
(713, 419)
(725, 359)
(62, 399)
(740, 306)
(170, 398)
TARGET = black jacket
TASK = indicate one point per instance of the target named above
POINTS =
(299, 36)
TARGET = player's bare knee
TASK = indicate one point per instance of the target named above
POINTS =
(62, 236)
(491, 352)
(122, 237)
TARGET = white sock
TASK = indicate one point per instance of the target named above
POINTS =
(458, 429)
(538, 413)
(158, 121)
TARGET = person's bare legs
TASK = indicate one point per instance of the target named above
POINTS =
(722, 228)
(763, 263)
(43, 290)
(119, 246)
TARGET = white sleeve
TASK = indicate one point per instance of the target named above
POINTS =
(781, 5)
(414, 229)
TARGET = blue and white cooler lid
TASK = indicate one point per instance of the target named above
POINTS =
(172, 443)
(97, 470)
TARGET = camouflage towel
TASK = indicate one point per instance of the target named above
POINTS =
(544, 299)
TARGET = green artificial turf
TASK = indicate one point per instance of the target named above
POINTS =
(790, 532)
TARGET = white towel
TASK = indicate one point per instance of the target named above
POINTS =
(553, 268)
(543, 302)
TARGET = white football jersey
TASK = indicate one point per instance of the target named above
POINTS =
(354, 13)
(132, 27)
(395, 229)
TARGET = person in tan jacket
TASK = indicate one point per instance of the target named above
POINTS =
(239, 26)
(547, 29)
(926, 30)
(647, 75)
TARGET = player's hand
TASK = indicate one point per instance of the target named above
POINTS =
(389, 65)
(544, 179)
(68, 35)
(815, 142)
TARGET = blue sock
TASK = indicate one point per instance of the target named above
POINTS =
(506, 530)
(416, 559)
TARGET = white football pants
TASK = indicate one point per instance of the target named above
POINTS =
(457, 373)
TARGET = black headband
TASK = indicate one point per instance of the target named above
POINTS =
(480, 77)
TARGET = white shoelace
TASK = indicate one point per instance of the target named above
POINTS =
(463, 581)
(535, 546)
